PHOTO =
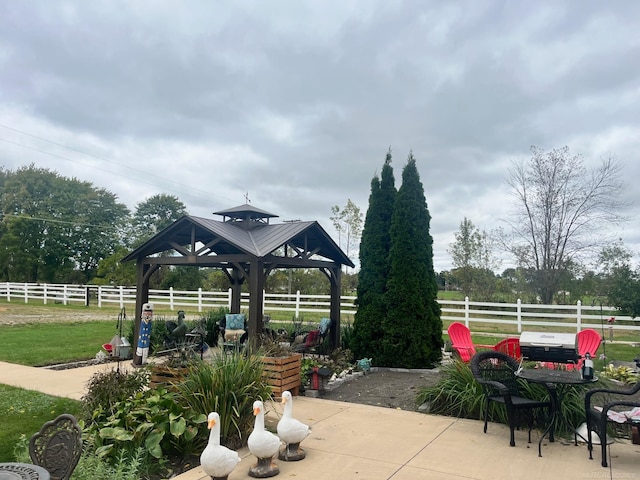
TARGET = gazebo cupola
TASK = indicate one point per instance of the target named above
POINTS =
(246, 216)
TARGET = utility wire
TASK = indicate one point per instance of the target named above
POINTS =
(144, 172)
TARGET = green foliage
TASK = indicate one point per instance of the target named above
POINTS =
(212, 324)
(55, 229)
(107, 388)
(228, 385)
(23, 412)
(412, 326)
(459, 395)
(624, 290)
(151, 420)
(368, 332)
(622, 374)
(92, 467)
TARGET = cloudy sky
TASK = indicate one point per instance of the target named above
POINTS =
(297, 102)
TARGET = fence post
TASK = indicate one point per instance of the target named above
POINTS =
(121, 292)
(519, 315)
(171, 298)
(297, 303)
(26, 292)
(64, 294)
(44, 292)
(199, 299)
(229, 299)
(466, 311)
(99, 296)
(8, 292)
(578, 316)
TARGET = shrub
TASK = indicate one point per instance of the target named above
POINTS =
(152, 421)
(459, 395)
(229, 385)
(105, 389)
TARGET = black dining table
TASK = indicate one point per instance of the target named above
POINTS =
(551, 379)
(22, 471)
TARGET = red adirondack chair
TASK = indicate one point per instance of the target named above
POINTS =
(461, 342)
(510, 346)
(588, 342)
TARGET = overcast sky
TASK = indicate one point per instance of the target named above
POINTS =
(297, 102)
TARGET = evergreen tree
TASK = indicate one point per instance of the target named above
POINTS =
(374, 266)
(412, 326)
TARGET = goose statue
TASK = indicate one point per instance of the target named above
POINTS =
(291, 431)
(263, 444)
(217, 460)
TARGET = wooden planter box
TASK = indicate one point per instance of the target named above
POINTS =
(283, 373)
(163, 376)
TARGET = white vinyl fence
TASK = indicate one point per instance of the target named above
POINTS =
(507, 317)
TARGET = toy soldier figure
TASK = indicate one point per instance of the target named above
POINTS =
(144, 339)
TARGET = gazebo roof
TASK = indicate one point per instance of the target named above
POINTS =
(243, 239)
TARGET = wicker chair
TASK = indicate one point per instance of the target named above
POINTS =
(57, 447)
(597, 420)
(496, 372)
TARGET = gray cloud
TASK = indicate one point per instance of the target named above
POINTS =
(296, 103)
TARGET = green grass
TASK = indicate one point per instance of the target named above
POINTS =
(51, 343)
(24, 412)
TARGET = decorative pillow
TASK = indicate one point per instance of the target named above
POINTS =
(235, 321)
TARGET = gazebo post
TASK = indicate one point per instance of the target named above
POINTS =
(142, 297)
(256, 287)
(334, 309)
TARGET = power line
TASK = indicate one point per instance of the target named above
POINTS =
(55, 220)
(144, 172)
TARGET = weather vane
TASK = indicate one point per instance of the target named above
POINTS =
(246, 198)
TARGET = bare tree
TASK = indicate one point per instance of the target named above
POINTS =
(561, 213)
(348, 224)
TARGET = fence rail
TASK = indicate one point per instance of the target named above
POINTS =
(505, 317)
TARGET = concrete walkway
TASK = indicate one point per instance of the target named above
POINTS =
(352, 441)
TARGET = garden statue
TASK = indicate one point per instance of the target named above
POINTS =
(291, 431)
(263, 444)
(144, 338)
(364, 364)
(217, 460)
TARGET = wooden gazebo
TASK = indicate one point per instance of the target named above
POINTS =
(246, 246)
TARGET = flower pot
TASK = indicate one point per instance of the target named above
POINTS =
(283, 373)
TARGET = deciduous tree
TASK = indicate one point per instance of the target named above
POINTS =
(561, 212)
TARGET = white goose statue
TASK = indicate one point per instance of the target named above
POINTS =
(263, 444)
(217, 460)
(291, 431)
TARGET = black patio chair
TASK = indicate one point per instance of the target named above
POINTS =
(598, 418)
(57, 447)
(496, 372)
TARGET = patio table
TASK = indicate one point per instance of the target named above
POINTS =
(22, 471)
(551, 379)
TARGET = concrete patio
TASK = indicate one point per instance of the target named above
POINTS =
(352, 441)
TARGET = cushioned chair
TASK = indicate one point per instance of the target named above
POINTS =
(234, 327)
(57, 447)
(461, 342)
(496, 372)
(599, 404)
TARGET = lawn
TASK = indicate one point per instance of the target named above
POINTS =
(24, 412)
(40, 344)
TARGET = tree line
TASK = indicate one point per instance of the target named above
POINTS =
(62, 230)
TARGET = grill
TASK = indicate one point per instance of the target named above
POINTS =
(549, 347)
